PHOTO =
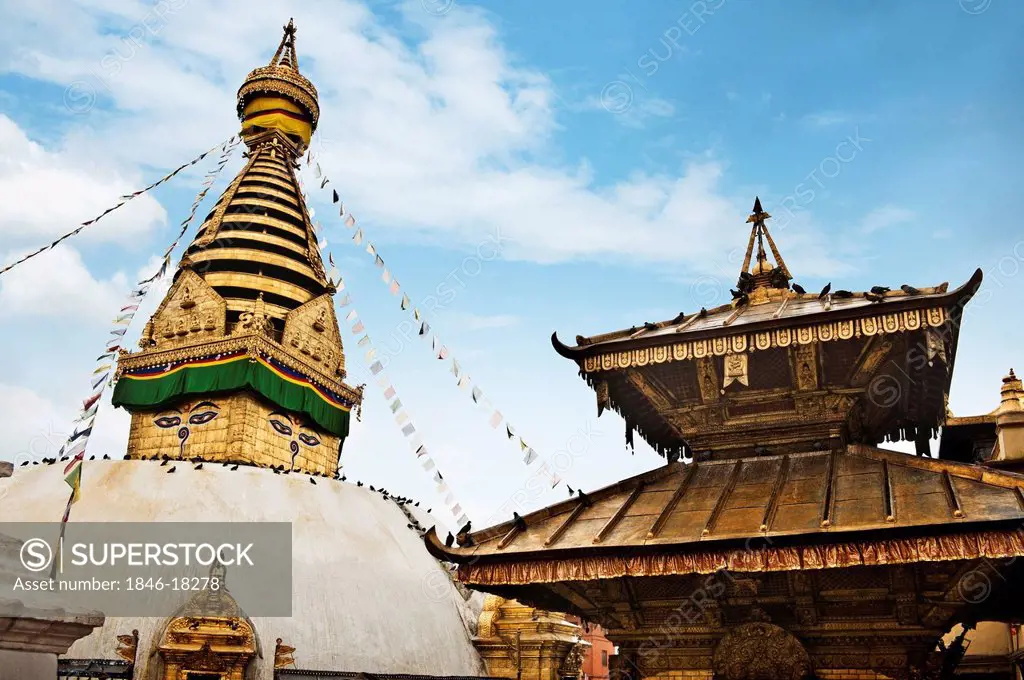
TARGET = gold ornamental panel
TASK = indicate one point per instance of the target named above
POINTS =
(896, 322)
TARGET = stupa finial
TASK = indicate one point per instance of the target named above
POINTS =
(285, 55)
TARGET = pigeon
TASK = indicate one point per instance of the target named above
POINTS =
(371, 488)
(224, 464)
(198, 467)
(173, 468)
(742, 300)
(679, 317)
(163, 463)
(106, 457)
(879, 290)
(312, 481)
(343, 478)
(703, 312)
(650, 326)
(276, 471)
(449, 541)
(416, 504)
(429, 510)
(126, 456)
(518, 521)
(165, 457)
(466, 528)
(92, 457)
(234, 467)
(842, 294)
(909, 290)
(358, 483)
(583, 497)
(874, 297)
(799, 289)
(736, 294)
(825, 290)
(24, 464)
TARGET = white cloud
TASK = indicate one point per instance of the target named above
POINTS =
(58, 283)
(885, 217)
(46, 194)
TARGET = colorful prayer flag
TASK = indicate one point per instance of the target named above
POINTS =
(496, 419)
(73, 476)
(358, 327)
(408, 429)
(405, 302)
(389, 392)
(530, 456)
(376, 367)
(350, 221)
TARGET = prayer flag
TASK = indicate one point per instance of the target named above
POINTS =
(496, 419)
(358, 327)
(530, 456)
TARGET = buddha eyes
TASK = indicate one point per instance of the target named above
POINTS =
(281, 427)
(309, 440)
(202, 418)
(167, 421)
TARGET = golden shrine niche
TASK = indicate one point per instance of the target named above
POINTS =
(235, 428)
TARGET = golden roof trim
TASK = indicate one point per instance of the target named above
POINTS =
(878, 324)
(252, 344)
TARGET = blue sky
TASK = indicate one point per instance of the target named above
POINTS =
(615, 148)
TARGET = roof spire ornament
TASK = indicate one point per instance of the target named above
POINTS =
(278, 97)
(285, 55)
(763, 274)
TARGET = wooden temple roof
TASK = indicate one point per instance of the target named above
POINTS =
(787, 309)
(803, 498)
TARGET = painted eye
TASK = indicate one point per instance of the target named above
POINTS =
(202, 418)
(281, 427)
(167, 421)
(309, 440)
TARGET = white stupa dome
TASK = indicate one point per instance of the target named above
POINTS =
(366, 595)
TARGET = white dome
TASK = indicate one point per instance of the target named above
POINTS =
(366, 595)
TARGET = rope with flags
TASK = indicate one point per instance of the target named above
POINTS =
(401, 415)
(440, 350)
(76, 444)
(124, 199)
(376, 368)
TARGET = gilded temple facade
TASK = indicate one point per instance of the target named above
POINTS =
(780, 541)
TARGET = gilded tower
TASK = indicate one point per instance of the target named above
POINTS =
(243, 359)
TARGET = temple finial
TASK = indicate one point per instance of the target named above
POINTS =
(763, 274)
(285, 54)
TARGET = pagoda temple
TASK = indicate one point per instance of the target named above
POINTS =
(779, 541)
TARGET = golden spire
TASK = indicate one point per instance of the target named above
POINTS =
(763, 274)
(278, 97)
(243, 361)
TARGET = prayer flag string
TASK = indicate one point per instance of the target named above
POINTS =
(440, 350)
(124, 199)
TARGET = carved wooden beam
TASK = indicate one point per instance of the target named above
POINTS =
(722, 498)
(670, 506)
(566, 523)
(619, 514)
(773, 499)
(660, 398)
(874, 353)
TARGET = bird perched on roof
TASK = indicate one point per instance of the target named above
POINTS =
(466, 528)
(909, 290)
(90, 458)
(703, 312)
(358, 483)
(106, 457)
(825, 290)
(173, 468)
(126, 457)
(372, 489)
(742, 300)
(583, 497)
(799, 289)
(680, 317)
(874, 297)
(650, 326)
(343, 478)
(164, 463)
(449, 541)
(736, 294)
(312, 481)
(235, 466)
(842, 294)
(416, 504)
(880, 290)
(198, 467)
(518, 521)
